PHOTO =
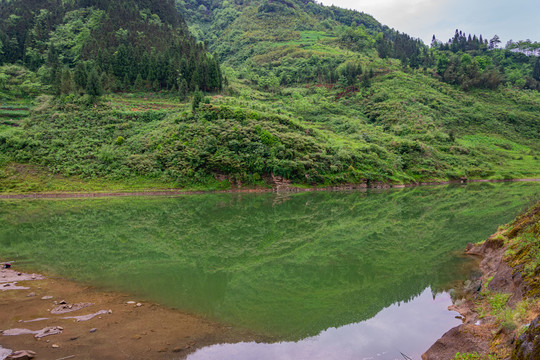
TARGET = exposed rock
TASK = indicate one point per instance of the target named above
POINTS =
(93, 330)
(32, 294)
(62, 309)
(86, 317)
(504, 278)
(34, 320)
(464, 308)
(528, 344)
(21, 355)
(279, 182)
(49, 330)
(12, 286)
(17, 332)
(55, 346)
(462, 338)
(5, 352)
(48, 297)
(9, 275)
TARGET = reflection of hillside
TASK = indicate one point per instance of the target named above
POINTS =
(289, 268)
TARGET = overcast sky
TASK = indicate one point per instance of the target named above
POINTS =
(510, 19)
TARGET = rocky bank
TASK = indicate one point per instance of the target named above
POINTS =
(501, 308)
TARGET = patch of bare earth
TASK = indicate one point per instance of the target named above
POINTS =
(100, 325)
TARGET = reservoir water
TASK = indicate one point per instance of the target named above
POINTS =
(359, 275)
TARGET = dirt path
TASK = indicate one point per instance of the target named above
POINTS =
(94, 324)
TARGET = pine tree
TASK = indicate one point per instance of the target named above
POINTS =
(104, 79)
(194, 84)
(215, 80)
(220, 75)
(494, 42)
(366, 79)
(1, 48)
(536, 70)
(52, 56)
(442, 64)
(94, 88)
(139, 84)
(182, 89)
(80, 76)
(197, 98)
(126, 82)
(55, 75)
(66, 83)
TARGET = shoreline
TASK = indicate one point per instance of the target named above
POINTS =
(500, 310)
(279, 188)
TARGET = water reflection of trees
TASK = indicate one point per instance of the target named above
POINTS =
(290, 268)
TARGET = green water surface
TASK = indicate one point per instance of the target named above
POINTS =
(288, 266)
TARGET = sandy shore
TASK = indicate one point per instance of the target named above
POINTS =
(94, 324)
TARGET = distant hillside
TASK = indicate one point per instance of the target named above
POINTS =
(282, 35)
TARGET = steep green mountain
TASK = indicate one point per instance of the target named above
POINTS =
(313, 94)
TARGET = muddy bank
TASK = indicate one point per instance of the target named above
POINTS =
(281, 186)
(56, 318)
(500, 309)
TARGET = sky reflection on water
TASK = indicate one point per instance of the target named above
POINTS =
(409, 328)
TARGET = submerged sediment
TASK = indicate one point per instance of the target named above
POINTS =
(100, 325)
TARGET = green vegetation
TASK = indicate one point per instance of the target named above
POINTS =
(243, 139)
(474, 356)
(521, 241)
(120, 91)
(92, 45)
(522, 237)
